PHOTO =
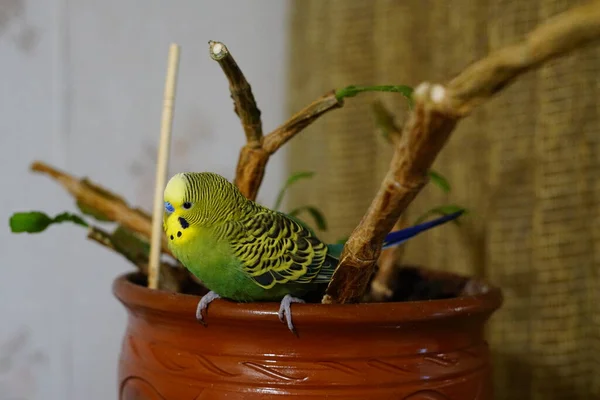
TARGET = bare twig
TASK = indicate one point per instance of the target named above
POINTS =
(555, 37)
(171, 277)
(382, 288)
(252, 160)
(436, 112)
(102, 202)
(255, 154)
(274, 140)
(424, 135)
(241, 93)
(381, 285)
(252, 163)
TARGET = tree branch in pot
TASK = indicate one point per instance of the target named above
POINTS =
(436, 112)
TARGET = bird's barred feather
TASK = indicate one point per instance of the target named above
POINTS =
(275, 249)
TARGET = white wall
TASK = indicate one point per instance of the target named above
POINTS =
(80, 87)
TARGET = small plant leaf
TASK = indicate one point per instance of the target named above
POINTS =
(29, 222)
(316, 214)
(351, 91)
(36, 221)
(68, 217)
(439, 180)
(384, 120)
(442, 210)
(295, 177)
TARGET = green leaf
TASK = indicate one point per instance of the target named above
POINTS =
(295, 177)
(442, 210)
(439, 180)
(384, 120)
(316, 214)
(351, 91)
(36, 221)
(68, 217)
(29, 222)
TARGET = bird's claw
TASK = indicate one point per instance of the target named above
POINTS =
(203, 305)
(285, 312)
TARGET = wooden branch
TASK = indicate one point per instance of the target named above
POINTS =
(436, 112)
(423, 137)
(103, 202)
(382, 283)
(253, 161)
(274, 140)
(244, 104)
(250, 170)
(172, 278)
(254, 156)
(555, 37)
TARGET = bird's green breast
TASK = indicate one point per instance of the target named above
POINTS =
(212, 261)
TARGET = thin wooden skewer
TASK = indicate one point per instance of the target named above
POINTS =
(162, 165)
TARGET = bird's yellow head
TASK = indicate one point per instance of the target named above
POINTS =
(199, 199)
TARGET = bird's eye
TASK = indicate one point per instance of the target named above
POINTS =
(187, 205)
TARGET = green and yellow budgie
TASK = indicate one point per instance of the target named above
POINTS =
(245, 252)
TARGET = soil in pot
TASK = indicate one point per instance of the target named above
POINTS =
(428, 344)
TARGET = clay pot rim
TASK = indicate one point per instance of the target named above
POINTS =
(179, 305)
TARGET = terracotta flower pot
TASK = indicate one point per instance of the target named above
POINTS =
(427, 350)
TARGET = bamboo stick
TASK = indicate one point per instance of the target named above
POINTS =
(162, 166)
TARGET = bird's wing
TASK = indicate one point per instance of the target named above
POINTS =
(274, 249)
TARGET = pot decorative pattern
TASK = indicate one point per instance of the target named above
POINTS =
(372, 351)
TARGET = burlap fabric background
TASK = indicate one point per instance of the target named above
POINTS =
(526, 164)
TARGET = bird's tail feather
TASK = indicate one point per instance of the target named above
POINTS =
(397, 237)
(392, 239)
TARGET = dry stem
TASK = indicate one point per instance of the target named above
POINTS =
(255, 154)
(382, 288)
(436, 112)
(274, 140)
(172, 278)
(252, 158)
(557, 36)
(253, 161)
(381, 285)
(243, 100)
(103, 202)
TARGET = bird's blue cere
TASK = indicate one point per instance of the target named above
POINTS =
(169, 207)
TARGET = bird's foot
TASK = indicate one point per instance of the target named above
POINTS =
(286, 312)
(203, 305)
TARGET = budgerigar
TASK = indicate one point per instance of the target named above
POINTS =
(245, 252)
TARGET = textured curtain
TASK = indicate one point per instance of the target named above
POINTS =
(526, 165)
